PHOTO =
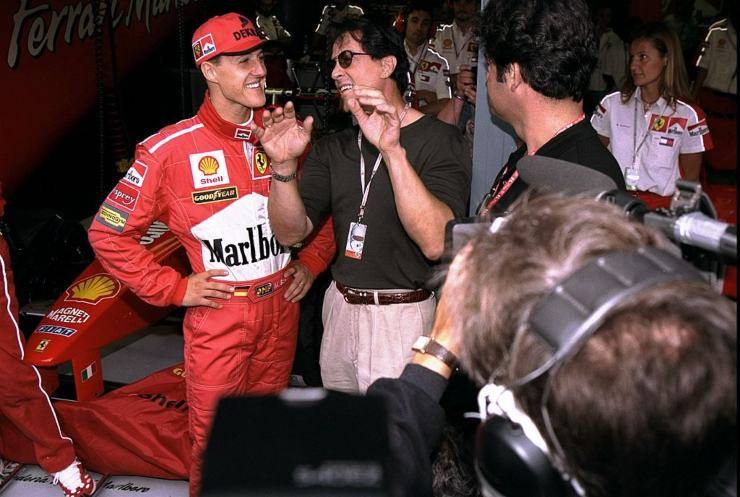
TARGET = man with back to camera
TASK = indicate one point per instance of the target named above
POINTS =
(415, 174)
(647, 406)
(208, 178)
(429, 70)
(539, 60)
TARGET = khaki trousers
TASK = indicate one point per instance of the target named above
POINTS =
(362, 343)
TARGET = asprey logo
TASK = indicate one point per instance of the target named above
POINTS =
(136, 174)
(93, 289)
(124, 195)
(209, 169)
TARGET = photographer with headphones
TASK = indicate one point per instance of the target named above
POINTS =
(608, 365)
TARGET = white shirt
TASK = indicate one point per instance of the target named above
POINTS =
(659, 135)
(430, 71)
(612, 62)
(459, 49)
(719, 57)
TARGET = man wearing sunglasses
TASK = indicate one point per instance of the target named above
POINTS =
(207, 178)
(390, 185)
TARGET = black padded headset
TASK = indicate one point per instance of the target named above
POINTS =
(508, 462)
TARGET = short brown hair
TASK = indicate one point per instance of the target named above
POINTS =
(648, 405)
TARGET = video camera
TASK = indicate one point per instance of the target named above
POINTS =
(690, 221)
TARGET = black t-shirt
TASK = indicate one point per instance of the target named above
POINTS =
(331, 186)
(578, 144)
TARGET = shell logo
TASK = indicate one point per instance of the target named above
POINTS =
(93, 289)
(208, 165)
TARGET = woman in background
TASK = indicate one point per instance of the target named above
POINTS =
(650, 126)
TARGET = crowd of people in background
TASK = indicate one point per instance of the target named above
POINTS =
(695, 43)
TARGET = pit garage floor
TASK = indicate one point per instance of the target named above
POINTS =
(129, 360)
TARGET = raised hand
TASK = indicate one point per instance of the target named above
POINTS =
(283, 137)
(202, 290)
(382, 127)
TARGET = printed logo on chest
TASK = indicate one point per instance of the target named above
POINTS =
(209, 169)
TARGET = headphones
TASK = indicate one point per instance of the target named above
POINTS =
(512, 457)
(401, 21)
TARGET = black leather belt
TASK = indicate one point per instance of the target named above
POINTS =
(370, 297)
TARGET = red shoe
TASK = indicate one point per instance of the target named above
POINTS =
(74, 481)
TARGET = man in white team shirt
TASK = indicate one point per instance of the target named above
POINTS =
(456, 42)
(429, 70)
(717, 64)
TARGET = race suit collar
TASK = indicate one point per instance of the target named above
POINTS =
(240, 132)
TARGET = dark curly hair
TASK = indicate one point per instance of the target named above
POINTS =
(378, 41)
(553, 41)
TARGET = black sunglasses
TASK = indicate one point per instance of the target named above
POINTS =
(344, 58)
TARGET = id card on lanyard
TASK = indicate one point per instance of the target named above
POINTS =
(358, 230)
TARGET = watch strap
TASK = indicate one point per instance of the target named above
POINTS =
(428, 345)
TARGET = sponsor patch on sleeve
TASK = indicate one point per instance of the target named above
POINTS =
(699, 128)
(112, 217)
(136, 174)
(600, 110)
(124, 196)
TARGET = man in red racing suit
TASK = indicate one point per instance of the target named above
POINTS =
(208, 179)
(23, 401)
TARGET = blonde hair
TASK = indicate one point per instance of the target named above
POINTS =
(674, 84)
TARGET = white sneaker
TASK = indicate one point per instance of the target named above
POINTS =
(74, 480)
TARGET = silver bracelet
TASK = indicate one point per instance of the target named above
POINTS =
(282, 178)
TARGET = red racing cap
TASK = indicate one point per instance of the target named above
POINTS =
(229, 33)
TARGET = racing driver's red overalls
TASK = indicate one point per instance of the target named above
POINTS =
(22, 399)
(208, 180)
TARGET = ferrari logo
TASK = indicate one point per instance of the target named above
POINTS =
(659, 124)
(42, 345)
(260, 160)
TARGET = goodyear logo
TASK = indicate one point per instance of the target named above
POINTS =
(93, 289)
(112, 217)
(42, 345)
(56, 330)
(217, 195)
(208, 165)
(263, 290)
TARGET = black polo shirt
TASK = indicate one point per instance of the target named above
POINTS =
(578, 144)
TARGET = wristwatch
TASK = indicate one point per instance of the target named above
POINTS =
(283, 178)
(428, 345)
